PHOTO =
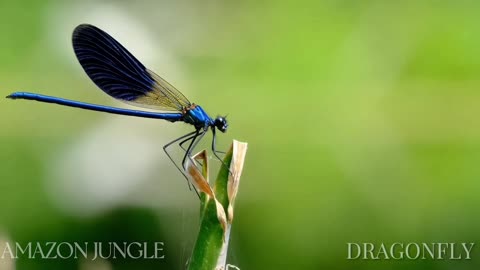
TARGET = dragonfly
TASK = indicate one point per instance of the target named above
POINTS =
(119, 74)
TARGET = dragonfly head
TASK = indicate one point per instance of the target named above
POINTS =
(221, 123)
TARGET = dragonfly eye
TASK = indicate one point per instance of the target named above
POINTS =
(221, 123)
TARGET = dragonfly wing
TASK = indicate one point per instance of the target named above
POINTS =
(119, 74)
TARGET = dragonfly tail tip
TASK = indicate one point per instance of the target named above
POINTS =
(12, 96)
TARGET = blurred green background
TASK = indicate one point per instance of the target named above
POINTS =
(361, 118)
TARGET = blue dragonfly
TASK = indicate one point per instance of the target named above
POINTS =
(119, 74)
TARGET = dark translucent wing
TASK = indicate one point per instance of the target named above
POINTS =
(119, 74)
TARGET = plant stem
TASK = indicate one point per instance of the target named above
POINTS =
(210, 251)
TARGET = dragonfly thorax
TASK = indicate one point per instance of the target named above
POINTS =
(196, 116)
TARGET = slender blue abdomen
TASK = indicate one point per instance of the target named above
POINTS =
(172, 117)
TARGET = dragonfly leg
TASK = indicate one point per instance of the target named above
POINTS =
(215, 152)
(188, 136)
(198, 137)
(185, 150)
(182, 143)
(194, 137)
